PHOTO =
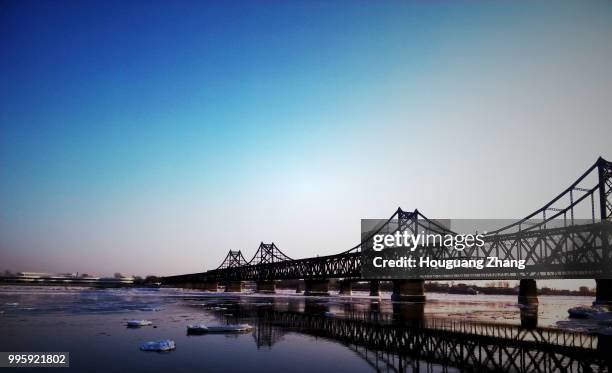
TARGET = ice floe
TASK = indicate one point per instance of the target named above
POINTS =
(138, 323)
(596, 319)
(162, 345)
(229, 328)
(595, 313)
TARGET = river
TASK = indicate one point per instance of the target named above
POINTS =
(292, 332)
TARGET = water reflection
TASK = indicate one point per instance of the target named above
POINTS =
(406, 340)
(529, 316)
(408, 312)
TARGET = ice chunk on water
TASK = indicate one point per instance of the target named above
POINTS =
(596, 319)
(197, 328)
(596, 313)
(229, 328)
(163, 345)
(137, 323)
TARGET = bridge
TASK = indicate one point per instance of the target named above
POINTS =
(552, 241)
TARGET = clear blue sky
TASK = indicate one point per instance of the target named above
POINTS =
(153, 136)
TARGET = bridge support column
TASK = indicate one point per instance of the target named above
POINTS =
(211, 286)
(374, 288)
(316, 287)
(233, 287)
(266, 286)
(346, 287)
(408, 290)
(603, 292)
(528, 291)
(193, 285)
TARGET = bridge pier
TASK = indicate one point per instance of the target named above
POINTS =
(211, 286)
(408, 290)
(374, 288)
(346, 287)
(193, 285)
(266, 286)
(603, 292)
(319, 287)
(528, 292)
(234, 287)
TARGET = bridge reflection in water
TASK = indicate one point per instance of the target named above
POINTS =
(406, 340)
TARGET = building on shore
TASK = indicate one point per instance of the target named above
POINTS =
(40, 278)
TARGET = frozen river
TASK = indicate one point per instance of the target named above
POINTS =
(90, 324)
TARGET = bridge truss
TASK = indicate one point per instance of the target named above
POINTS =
(553, 243)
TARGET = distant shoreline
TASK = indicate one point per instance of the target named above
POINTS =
(429, 287)
(67, 282)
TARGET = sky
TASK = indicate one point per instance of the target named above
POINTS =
(151, 137)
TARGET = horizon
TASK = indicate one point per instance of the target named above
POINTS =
(152, 142)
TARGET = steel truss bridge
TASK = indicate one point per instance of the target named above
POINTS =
(551, 240)
(389, 345)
